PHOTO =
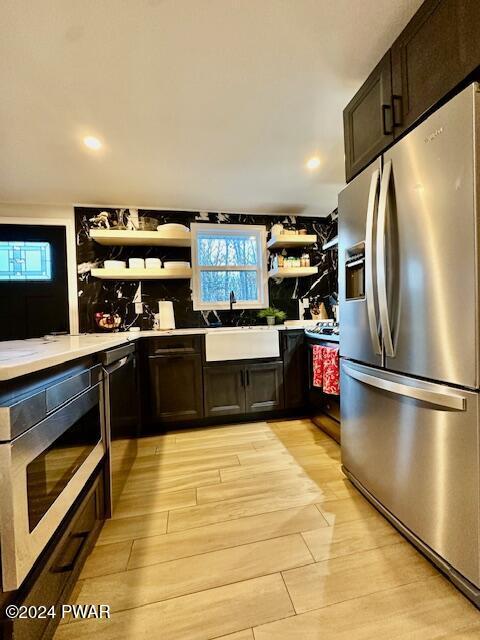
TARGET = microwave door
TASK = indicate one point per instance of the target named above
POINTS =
(357, 208)
(42, 472)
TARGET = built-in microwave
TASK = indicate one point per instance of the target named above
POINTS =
(44, 469)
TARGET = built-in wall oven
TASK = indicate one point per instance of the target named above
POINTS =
(52, 440)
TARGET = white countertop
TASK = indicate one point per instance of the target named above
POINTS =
(19, 357)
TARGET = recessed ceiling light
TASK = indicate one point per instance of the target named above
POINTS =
(92, 143)
(313, 163)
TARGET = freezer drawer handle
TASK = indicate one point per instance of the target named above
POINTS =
(369, 240)
(381, 262)
(444, 400)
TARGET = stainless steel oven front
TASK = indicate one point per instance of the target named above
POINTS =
(42, 472)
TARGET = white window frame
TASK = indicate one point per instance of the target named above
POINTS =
(260, 232)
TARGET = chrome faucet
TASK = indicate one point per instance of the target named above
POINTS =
(233, 300)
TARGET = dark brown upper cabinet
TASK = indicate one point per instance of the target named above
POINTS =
(368, 120)
(436, 54)
(432, 55)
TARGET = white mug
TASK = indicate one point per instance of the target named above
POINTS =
(153, 263)
(136, 263)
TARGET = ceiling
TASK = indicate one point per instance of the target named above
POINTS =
(200, 104)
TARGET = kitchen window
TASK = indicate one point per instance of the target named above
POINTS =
(228, 258)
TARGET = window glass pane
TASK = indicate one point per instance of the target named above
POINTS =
(216, 285)
(25, 260)
(228, 250)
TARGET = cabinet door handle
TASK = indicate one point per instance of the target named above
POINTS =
(242, 378)
(248, 378)
(396, 99)
(385, 108)
(82, 536)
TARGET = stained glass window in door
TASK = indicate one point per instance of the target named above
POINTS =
(25, 261)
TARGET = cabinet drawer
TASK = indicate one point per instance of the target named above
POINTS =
(171, 345)
(51, 583)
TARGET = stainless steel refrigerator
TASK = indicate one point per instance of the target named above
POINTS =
(409, 341)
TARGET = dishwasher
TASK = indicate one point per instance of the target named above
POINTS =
(121, 418)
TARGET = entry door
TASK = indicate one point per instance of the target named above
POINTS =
(414, 446)
(33, 281)
(357, 211)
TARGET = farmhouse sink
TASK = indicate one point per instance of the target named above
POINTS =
(241, 344)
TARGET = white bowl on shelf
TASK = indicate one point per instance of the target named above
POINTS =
(176, 265)
(172, 227)
(114, 264)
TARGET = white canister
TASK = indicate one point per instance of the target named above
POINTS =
(166, 318)
(153, 263)
(136, 263)
(115, 264)
(276, 230)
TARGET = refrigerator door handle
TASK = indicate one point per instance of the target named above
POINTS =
(381, 264)
(440, 399)
(369, 266)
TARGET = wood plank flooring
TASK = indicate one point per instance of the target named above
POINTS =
(251, 532)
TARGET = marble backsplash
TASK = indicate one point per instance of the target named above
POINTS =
(118, 297)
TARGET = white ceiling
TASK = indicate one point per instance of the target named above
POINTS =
(201, 104)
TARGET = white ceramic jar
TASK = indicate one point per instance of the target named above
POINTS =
(136, 263)
(153, 263)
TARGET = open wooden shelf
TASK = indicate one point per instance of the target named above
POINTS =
(285, 241)
(140, 238)
(292, 272)
(142, 274)
(330, 244)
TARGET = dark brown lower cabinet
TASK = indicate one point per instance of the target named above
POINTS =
(264, 387)
(224, 390)
(175, 388)
(236, 389)
(53, 577)
(294, 369)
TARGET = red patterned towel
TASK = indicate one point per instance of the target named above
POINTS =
(326, 369)
(331, 379)
(317, 363)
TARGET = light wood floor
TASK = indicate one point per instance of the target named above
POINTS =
(252, 532)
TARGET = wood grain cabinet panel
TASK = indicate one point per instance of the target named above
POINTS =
(264, 387)
(431, 57)
(175, 388)
(368, 119)
(436, 54)
(294, 369)
(224, 390)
